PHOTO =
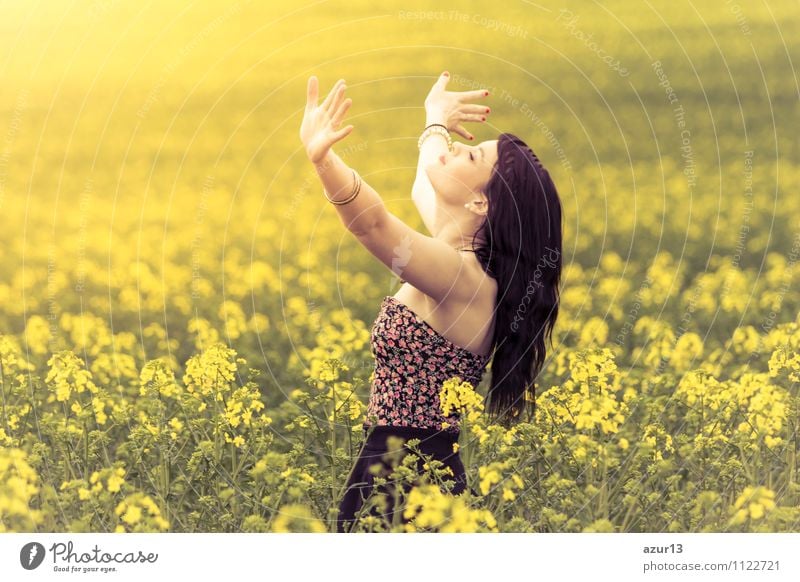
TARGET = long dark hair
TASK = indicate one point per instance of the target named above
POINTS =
(521, 249)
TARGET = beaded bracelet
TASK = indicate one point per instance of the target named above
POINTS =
(435, 128)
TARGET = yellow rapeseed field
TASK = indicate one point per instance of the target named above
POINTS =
(184, 321)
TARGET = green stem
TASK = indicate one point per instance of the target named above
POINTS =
(320, 434)
(277, 507)
(333, 437)
(396, 509)
(85, 451)
(624, 525)
(3, 393)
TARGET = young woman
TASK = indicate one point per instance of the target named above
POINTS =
(483, 287)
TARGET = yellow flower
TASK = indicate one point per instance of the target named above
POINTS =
(68, 373)
(490, 475)
(140, 513)
(785, 359)
(99, 410)
(211, 372)
(688, 350)
(158, 376)
(132, 515)
(297, 518)
(756, 510)
(18, 485)
(758, 500)
(459, 397)
(234, 319)
(430, 509)
(593, 333)
(479, 432)
(37, 334)
(5, 440)
(116, 480)
(327, 375)
(510, 437)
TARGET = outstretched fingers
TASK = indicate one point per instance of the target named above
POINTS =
(477, 117)
(337, 99)
(472, 95)
(328, 100)
(459, 129)
(474, 108)
(340, 111)
(341, 133)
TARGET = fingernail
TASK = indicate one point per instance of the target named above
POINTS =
(446, 74)
(483, 118)
(486, 93)
(488, 110)
(471, 137)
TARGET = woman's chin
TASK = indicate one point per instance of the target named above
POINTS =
(448, 189)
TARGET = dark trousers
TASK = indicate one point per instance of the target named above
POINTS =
(437, 443)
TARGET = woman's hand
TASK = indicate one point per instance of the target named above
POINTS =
(450, 108)
(319, 132)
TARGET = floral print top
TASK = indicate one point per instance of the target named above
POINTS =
(412, 361)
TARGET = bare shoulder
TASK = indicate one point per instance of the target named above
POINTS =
(485, 292)
(470, 316)
(466, 319)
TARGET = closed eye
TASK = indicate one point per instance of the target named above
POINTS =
(471, 157)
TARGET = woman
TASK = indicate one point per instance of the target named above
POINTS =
(483, 287)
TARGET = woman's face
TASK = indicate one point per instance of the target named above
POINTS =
(459, 176)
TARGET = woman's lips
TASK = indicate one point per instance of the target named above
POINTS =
(442, 159)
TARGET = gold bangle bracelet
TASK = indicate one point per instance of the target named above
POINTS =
(353, 193)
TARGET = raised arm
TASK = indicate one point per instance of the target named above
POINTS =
(429, 264)
(422, 192)
(318, 132)
(447, 108)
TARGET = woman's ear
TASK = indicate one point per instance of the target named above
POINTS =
(480, 207)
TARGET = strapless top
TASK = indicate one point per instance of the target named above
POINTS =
(412, 361)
